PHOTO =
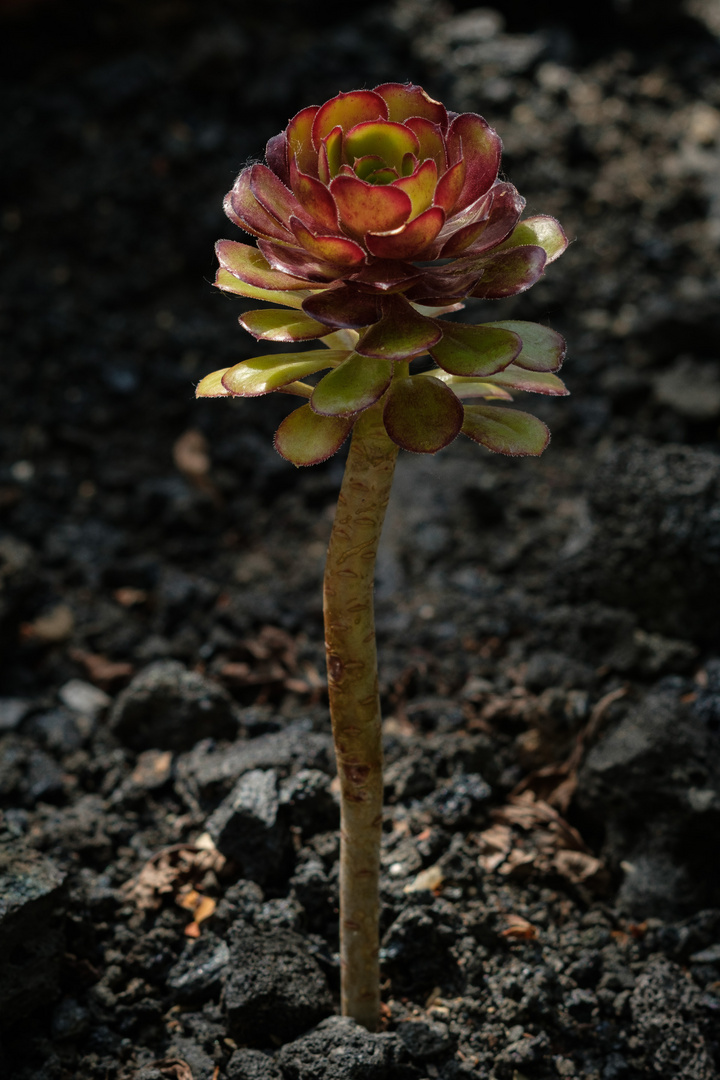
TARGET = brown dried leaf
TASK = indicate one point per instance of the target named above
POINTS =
(52, 627)
(101, 671)
(191, 455)
(519, 928)
(581, 868)
(169, 870)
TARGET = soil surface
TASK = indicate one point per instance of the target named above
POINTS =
(549, 630)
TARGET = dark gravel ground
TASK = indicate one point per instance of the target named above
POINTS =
(549, 630)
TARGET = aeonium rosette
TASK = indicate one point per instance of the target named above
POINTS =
(375, 214)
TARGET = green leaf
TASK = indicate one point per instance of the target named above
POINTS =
(505, 431)
(356, 384)
(533, 382)
(541, 230)
(542, 348)
(466, 388)
(229, 283)
(474, 350)
(263, 374)
(275, 324)
(212, 385)
(421, 414)
(250, 265)
(401, 333)
(307, 439)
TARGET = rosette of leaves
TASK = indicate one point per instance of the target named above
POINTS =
(375, 215)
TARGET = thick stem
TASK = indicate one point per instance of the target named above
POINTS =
(355, 706)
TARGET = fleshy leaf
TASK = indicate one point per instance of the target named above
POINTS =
(469, 387)
(276, 156)
(212, 385)
(474, 350)
(305, 438)
(263, 374)
(390, 141)
(367, 208)
(471, 138)
(542, 230)
(338, 250)
(534, 382)
(330, 155)
(543, 349)
(250, 265)
(315, 197)
(344, 307)
(405, 100)
(420, 186)
(345, 111)
(298, 263)
(449, 187)
(505, 431)
(507, 205)
(274, 324)
(387, 275)
(431, 141)
(410, 241)
(242, 207)
(401, 333)
(299, 138)
(355, 385)
(228, 283)
(271, 193)
(421, 414)
(510, 272)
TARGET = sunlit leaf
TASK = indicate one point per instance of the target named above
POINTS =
(543, 231)
(345, 111)
(212, 385)
(306, 438)
(533, 382)
(229, 283)
(468, 388)
(250, 265)
(263, 374)
(274, 324)
(357, 383)
(505, 431)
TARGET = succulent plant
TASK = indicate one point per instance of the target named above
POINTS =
(375, 215)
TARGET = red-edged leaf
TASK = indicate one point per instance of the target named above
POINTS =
(387, 275)
(430, 138)
(224, 280)
(534, 382)
(472, 139)
(367, 208)
(420, 186)
(305, 438)
(345, 111)
(271, 193)
(389, 141)
(543, 231)
(410, 241)
(510, 272)
(337, 250)
(358, 383)
(244, 210)
(505, 431)
(298, 262)
(263, 374)
(405, 100)
(275, 324)
(441, 286)
(474, 350)
(507, 206)
(212, 386)
(421, 414)
(344, 307)
(315, 198)
(470, 388)
(330, 156)
(276, 156)
(543, 349)
(250, 265)
(450, 186)
(299, 139)
(401, 333)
